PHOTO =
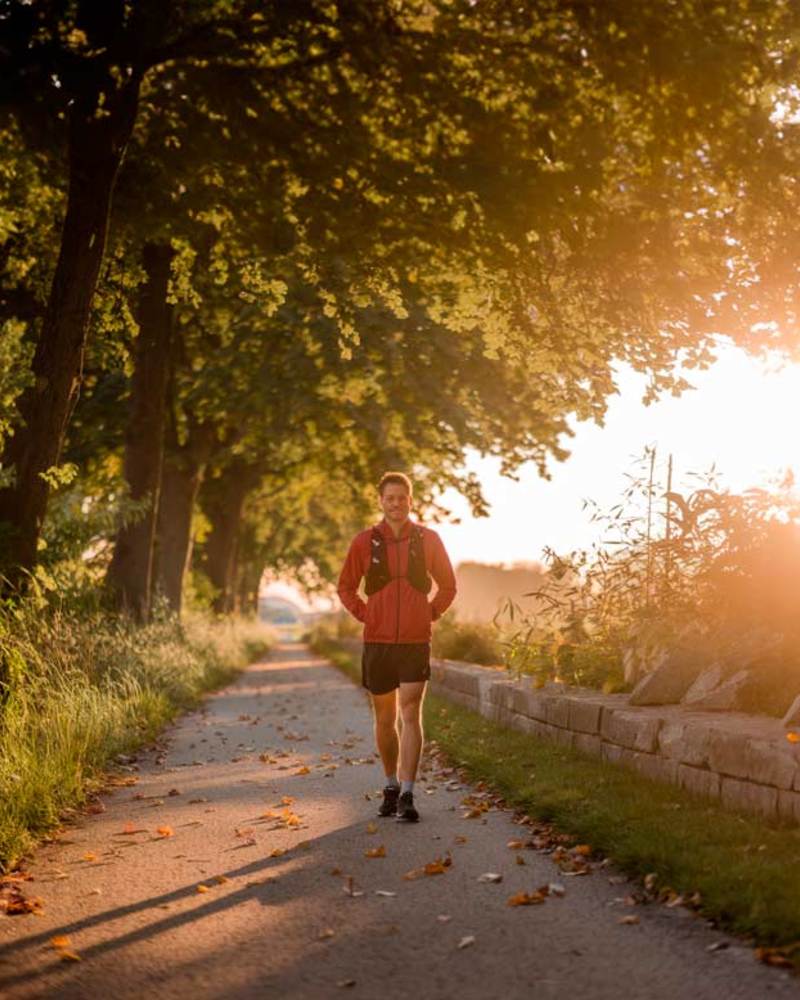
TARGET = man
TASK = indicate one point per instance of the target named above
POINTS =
(397, 559)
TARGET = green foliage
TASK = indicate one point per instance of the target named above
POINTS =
(710, 566)
(468, 641)
(78, 687)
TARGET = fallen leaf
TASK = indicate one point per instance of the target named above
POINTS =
(384, 892)
(174, 791)
(221, 879)
(519, 859)
(165, 831)
(793, 737)
(344, 983)
(131, 828)
(327, 933)
(69, 956)
(62, 941)
(287, 800)
(630, 918)
(458, 839)
(466, 941)
(277, 852)
(203, 888)
(444, 918)
(556, 889)
(194, 801)
(583, 849)
(375, 852)
(515, 845)
(372, 828)
(303, 770)
(89, 856)
(336, 871)
(526, 898)
(490, 877)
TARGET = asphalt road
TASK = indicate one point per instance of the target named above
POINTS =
(228, 870)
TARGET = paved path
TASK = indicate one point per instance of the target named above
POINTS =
(275, 918)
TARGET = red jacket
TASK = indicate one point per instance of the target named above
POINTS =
(398, 612)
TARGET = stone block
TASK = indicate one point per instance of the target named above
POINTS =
(630, 729)
(687, 742)
(610, 752)
(557, 710)
(529, 701)
(670, 680)
(789, 805)
(584, 715)
(792, 718)
(657, 768)
(699, 781)
(588, 743)
(727, 752)
(438, 671)
(770, 762)
(459, 697)
(749, 797)
(723, 696)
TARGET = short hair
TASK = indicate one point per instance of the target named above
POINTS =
(395, 477)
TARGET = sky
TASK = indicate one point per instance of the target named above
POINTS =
(743, 415)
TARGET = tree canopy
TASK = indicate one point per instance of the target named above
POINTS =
(255, 255)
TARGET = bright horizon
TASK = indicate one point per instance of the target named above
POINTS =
(741, 416)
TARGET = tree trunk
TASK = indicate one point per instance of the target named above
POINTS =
(129, 577)
(224, 506)
(181, 478)
(96, 146)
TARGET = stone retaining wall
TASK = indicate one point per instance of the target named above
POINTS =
(745, 761)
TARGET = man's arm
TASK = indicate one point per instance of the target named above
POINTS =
(442, 573)
(349, 580)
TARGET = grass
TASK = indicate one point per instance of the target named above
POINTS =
(79, 688)
(745, 869)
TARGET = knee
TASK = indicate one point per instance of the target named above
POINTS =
(410, 712)
(386, 722)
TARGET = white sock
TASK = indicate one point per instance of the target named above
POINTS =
(406, 786)
(391, 779)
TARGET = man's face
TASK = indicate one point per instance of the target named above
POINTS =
(395, 503)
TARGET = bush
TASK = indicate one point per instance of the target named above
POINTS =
(467, 641)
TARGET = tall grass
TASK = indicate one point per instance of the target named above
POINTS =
(78, 687)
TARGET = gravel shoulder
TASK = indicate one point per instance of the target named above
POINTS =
(235, 864)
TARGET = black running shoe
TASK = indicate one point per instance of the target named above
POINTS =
(405, 808)
(389, 805)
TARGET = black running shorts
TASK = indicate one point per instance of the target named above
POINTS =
(386, 665)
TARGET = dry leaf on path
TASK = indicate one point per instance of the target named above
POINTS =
(384, 892)
(372, 828)
(631, 918)
(490, 877)
(526, 898)
(165, 831)
(303, 770)
(466, 941)
(69, 956)
(327, 933)
(89, 856)
(62, 941)
(278, 852)
(444, 918)
(203, 888)
(516, 845)
(375, 852)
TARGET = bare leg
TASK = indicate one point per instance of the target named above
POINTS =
(411, 696)
(384, 707)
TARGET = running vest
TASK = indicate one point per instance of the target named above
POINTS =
(378, 574)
